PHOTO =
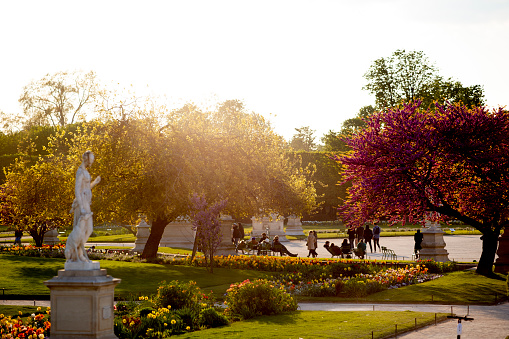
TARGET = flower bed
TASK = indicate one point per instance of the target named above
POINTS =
(34, 327)
(358, 285)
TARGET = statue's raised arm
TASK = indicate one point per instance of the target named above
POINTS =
(83, 221)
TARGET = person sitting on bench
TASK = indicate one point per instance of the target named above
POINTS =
(346, 249)
(279, 247)
(360, 251)
(333, 249)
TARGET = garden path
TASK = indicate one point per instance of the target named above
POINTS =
(489, 321)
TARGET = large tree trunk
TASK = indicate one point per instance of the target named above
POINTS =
(489, 249)
(156, 233)
(37, 234)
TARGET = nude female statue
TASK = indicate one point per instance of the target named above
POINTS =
(83, 223)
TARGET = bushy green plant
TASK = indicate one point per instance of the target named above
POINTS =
(178, 295)
(355, 288)
(190, 317)
(210, 317)
(260, 297)
(125, 307)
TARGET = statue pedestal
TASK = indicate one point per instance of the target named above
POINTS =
(502, 262)
(178, 234)
(51, 237)
(142, 234)
(294, 226)
(433, 245)
(82, 304)
(226, 247)
(271, 226)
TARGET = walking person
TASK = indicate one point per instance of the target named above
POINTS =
(418, 242)
(368, 235)
(311, 244)
(351, 235)
(360, 234)
(17, 236)
(316, 243)
(236, 236)
(376, 236)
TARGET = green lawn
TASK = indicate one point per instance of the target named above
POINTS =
(297, 324)
(25, 276)
(463, 288)
(321, 324)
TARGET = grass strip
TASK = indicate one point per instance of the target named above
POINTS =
(322, 324)
(26, 275)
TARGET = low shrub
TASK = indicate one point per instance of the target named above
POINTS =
(178, 295)
(260, 297)
(210, 317)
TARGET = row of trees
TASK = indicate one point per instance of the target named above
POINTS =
(153, 161)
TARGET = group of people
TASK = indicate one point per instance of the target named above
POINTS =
(358, 238)
(263, 244)
(365, 235)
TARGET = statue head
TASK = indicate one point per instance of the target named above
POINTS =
(88, 158)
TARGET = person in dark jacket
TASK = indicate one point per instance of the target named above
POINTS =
(418, 242)
(351, 235)
(279, 247)
(236, 236)
(368, 235)
(360, 234)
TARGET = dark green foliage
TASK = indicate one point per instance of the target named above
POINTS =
(190, 316)
(326, 178)
(178, 295)
(210, 317)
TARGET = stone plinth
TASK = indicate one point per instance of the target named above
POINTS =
(294, 226)
(178, 234)
(502, 262)
(82, 304)
(226, 247)
(142, 234)
(273, 225)
(51, 237)
(433, 245)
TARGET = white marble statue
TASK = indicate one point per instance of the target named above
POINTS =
(83, 223)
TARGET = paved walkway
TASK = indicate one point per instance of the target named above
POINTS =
(489, 321)
(460, 247)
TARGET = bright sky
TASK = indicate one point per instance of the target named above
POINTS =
(299, 63)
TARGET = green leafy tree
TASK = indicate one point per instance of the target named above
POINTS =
(37, 198)
(58, 99)
(409, 76)
(304, 139)
(153, 166)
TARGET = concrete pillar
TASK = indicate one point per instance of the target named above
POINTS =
(142, 234)
(82, 304)
(51, 237)
(226, 247)
(273, 225)
(502, 262)
(178, 234)
(294, 226)
(433, 244)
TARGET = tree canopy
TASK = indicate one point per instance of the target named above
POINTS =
(154, 164)
(58, 99)
(304, 139)
(409, 76)
(451, 162)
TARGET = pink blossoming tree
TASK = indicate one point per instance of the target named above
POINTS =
(450, 162)
(208, 228)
